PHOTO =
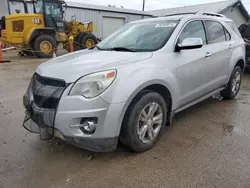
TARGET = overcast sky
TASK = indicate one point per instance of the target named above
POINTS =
(152, 4)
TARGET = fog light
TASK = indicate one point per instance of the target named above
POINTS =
(88, 125)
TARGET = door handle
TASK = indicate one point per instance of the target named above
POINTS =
(208, 54)
(230, 46)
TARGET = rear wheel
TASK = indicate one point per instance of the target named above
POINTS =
(44, 46)
(88, 41)
(233, 85)
(144, 121)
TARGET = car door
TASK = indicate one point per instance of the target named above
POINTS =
(219, 52)
(191, 64)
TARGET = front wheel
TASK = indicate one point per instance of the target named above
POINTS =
(233, 85)
(144, 121)
(44, 45)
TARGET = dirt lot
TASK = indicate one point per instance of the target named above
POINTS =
(207, 146)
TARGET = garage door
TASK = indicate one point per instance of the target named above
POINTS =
(111, 24)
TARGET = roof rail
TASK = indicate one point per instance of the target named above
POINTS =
(212, 14)
(178, 14)
(197, 13)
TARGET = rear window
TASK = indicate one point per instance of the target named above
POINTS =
(234, 28)
(215, 32)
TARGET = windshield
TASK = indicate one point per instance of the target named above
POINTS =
(54, 9)
(144, 36)
(39, 6)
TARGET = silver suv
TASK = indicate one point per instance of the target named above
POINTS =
(130, 85)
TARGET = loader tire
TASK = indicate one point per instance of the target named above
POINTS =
(88, 41)
(77, 41)
(44, 45)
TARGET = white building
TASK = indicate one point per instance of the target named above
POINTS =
(233, 9)
(106, 19)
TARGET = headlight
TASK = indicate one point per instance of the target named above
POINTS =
(93, 85)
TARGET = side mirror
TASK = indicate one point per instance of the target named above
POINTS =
(189, 43)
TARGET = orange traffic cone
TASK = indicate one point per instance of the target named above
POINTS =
(1, 56)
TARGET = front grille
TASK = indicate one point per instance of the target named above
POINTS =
(49, 81)
(47, 91)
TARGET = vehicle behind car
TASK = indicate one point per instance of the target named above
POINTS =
(244, 30)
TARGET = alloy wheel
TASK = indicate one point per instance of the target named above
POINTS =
(150, 122)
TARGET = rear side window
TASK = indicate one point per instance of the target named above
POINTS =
(194, 29)
(215, 32)
(234, 28)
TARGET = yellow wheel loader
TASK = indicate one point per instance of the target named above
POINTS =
(40, 32)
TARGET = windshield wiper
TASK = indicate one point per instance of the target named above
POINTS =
(122, 49)
(114, 49)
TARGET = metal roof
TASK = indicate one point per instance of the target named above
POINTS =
(106, 8)
(216, 7)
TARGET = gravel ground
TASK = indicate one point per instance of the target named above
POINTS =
(207, 146)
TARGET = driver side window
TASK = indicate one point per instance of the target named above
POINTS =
(194, 29)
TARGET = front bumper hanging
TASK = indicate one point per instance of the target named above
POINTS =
(41, 101)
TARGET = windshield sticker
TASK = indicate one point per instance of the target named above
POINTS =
(166, 25)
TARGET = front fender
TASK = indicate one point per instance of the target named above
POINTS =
(28, 34)
(32, 33)
(129, 83)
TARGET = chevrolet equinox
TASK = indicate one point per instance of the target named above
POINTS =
(130, 85)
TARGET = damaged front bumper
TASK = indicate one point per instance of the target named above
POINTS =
(51, 112)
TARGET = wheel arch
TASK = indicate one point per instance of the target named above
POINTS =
(41, 31)
(241, 64)
(157, 87)
(163, 91)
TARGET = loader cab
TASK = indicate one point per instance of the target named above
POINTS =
(53, 13)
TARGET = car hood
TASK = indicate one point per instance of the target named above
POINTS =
(72, 66)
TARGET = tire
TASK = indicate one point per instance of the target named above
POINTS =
(77, 43)
(50, 41)
(232, 90)
(84, 41)
(133, 122)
